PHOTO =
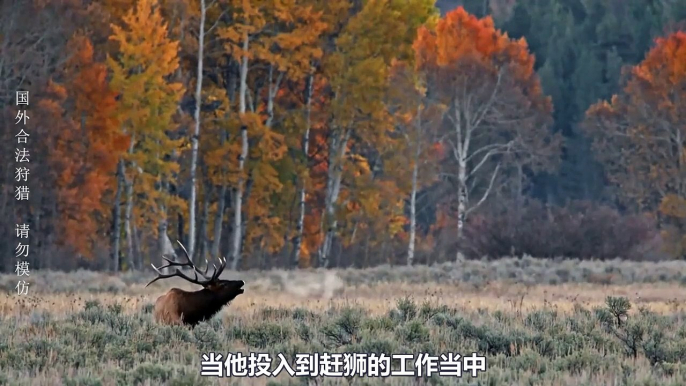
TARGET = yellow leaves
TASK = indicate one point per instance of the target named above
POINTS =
(252, 120)
(224, 158)
(144, 40)
(145, 57)
(285, 33)
(265, 226)
(357, 70)
(360, 165)
(147, 106)
(248, 19)
(298, 41)
(270, 145)
(378, 208)
(414, 120)
(266, 178)
(674, 206)
(354, 72)
(396, 223)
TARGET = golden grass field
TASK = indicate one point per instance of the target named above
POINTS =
(87, 328)
(663, 298)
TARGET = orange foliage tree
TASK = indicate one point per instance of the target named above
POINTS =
(87, 149)
(640, 138)
(496, 116)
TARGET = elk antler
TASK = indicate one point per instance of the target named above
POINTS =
(189, 263)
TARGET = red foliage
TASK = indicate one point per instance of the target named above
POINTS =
(87, 149)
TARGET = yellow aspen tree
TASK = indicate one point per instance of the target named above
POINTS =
(145, 59)
(357, 70)
(416, 118)
(282, 38)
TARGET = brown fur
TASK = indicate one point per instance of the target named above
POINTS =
(190, 308)
(183, 307)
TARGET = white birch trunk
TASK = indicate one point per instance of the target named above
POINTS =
(167, 249)
(273, 89)
(465, 123)
(462, 151)
(333, 187)
(163, 224)
(196, 132)
(461, 199)
(413, 194)
(238, 207)
(218, 221)
(297, 244)
(202, 237)
(219, 216)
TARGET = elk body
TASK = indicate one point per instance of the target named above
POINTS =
(190, 308)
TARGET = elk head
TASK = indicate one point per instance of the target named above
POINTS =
(183, 307)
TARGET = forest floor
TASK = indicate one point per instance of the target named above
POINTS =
(538, 322)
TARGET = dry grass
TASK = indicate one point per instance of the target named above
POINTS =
(663, 298)
(97, 328)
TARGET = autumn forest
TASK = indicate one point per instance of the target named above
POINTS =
(343, 133)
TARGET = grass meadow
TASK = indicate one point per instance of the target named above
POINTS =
(539, 322)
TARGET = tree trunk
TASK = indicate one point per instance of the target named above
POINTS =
(333, 188)
(238, 206)
(298, 240)
(244, 220)
(116, 217)
(180, 226)
(138, 259)
(223, 190)
(196, 132)
(161, 236)
(273, 89)
(413, 214)
(127, 214)
(461, 198)
(219, 221)
(167, 249)
(413, 194)
(127, 221)
(163, 224)
(202, 239)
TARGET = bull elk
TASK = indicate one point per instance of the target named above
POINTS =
(190, 308)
